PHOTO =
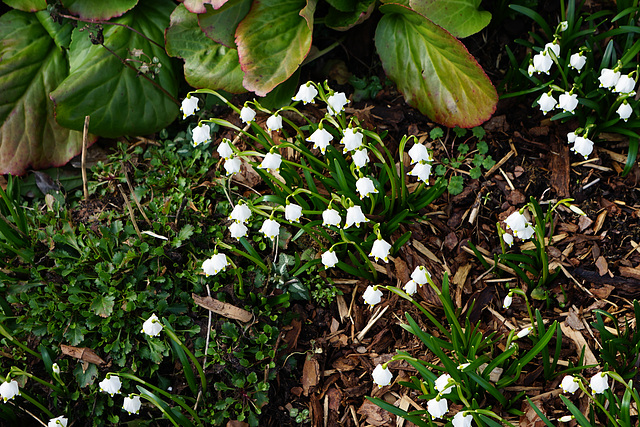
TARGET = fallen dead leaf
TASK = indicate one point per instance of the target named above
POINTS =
(222, 308)
(375, 415)
(83, 353)
(603, 292)
(310, 375)
(573, 320)
(602, 265)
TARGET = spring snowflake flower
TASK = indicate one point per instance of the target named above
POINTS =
(463, 366)
(55, 368)
(240, 213)
(329, 259)
(372, 295)
(336, 103)
(9, 390)
(365, 187)
(274, 123)
(624, 111)
(271, 162)
(215, 264)
(566, 418)
(508, 239)
(507, 301)
(111, 384)
(420, 275)
(518, 223)
(382, 376)
(380, 249)
(321, 139)
(562, 26)
(599, 382)
(553, 47)
(238, 230)
(306, 93)
(625, 85)
(355, 216)
(547, 102)
(152, 326)
(577, 61)
(293, 212)
(582, 146)
(437, 407)
(419, 153)
(360, 157)
(568, 102)
(132, 404)
(609, 78)
(224, 149)
(462, 420)
(58, 421)
(542, 63)
(523, 333)
(270, 228)
(411, 287)
(189, 106)
(232, 166)
(571, 137)
(247, 114)
(201, 135)
(423, 171)
(569, 384)
(331, 217)
(441, 384)
(531, 69)
(352, 139)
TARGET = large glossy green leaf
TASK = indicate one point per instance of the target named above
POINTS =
(342, 21)
(272, 40)
(27, 5)
(433, 70)
(220, 25)
(119, 101)
(460, 17)
(99, 9)
(31, 67)
(198, 6)
(207, 64)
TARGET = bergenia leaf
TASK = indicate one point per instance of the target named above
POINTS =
(118, 100)
(207, 64)
(27, 5)
(272, 40)
(433, 70)
(220, 25)
(100, 10)
(342, 21)
(198, 6)
(31, 67)
(460, 17)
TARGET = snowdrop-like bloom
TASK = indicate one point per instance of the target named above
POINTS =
(355, 216)
(189, 106)
(238, 230)
(411, 287)
(270, 228)
(531, 69)
(608, 77)
(507, 301)
(224, 149)
(437, 408)
(380, 249)
(599, 382)
(518, 223)
(547, 102)
(329, 259)
(55, 368)
(360, 157)
(571, 137)
(247, 114)
(306, 93)
(523, 333)
(562, 26)
(58, 421)
(569, 384)
(111, 384)
(292, 212)
(420, 275)
(152, 326)
(9, 390)
(382, 376)
(215, 264)
(625, 85)
(240, 213)
(365, 187)
(577, 61)
(331, 217)
(568, 102)
(321, 139)
(583, 146)
(463, 366)
(566, 418)
(462, 420)
(336, 103)
(271, 162)
(508, 239)
(201, 134)
(274, 122)
(419, 153)
(372, 295)
(553, 47)
(542, 62)
(441, 384)
(232, 165)
(423, 171)
(624, 111)
(132, 404)
(352, 139)
(577, 210)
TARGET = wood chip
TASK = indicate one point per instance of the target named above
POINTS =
(310, 375)
(223, 308)
(603, 266)
(580, 342)
(424, 251)
(630, 272)
(528, 246)
(599, 221)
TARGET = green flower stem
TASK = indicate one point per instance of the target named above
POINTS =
(17, 371)
(174, 337)
(629, 387)
(523, 294)
(598, 404)
(244, 254)
(10, 337)
(311, 158)
(362, 253)
(240, 290)
(402, 180)
(311, 193)
(419, 306)
(489, 414)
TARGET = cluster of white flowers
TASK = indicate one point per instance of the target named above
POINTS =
(111, 385)
(215, 264)
(519, 225)
(419, 277)
(422, 159)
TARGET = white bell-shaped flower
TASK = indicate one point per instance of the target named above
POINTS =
(568, 102)
(274, 123)
(293, 212)
(566, 418)
(437, 407)
(599, 382)
(382, 376)
(624, 111)
(306, 93)
(232, 165)
(420, 275)
(577, 61)
(270, 228)
(518, 223)
(354, 216)
(271, 162)
(365, 187)
(442, 384)
(462, 420)
(224, 149)
(152, 326)
(625, 85)
(132, 404)
(215, 264)
(411, 287)
(423, 171)
(419, 153)
(201, 134)
(238, 230)
(507, 301)
(240, 213)
(9, 390)
(352, 139)
(609, 78)
(508, 239)
(189, 106)
(336, 103)
(570, 384)
(331, 217)
(60, 421)
(380, 249)
(524, 332)
(372, 295)
(547, 102)
(571, 137)
(321, 139)
(329, 259)
(542, 62)
(553, 47)
(360, 157)
(582, 146)
(247, 114)
(111, 384)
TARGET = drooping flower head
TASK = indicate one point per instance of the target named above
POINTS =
(380, 249)
(9, 390)
(507, 301)
(132, 404)
(411, 287)
(360, 157)
(293, 212)
(354, 216)
(547, 102)
(111, 384)
(582, 146)
(240, 213)
(520, 226)
(152, 326)
(382, 376)
(437, 407)
(247, 114)
(365, 187)
(609, 78)
(442, 384)
(201, 134)
(225, 150)
(419, 153)
(232, 165)
(321, 139)
(215, 264)
(331, 217)
(625, 85)
(189, 106)
(568, 102)
(624, 110)
(60, 421)
(274, 122)
(423, 171)
(599, 382)
(238, 230)
(420, 275)
(270, 228)
(336, 103)
(352, 139)
(542, 63)
(271, 162)
(372, 295)
(462, 420)
(329, 258)
(569, 384)
(577, 61)
(306, 93)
